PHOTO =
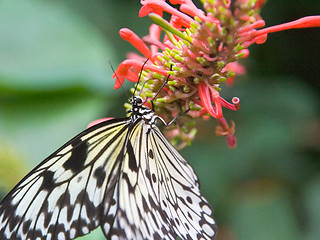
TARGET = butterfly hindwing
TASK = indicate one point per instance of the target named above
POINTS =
(139, 215)
(159, 196)
(187, 211)
(69, 193)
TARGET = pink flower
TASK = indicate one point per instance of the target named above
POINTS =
(200, 50)
(95, 122)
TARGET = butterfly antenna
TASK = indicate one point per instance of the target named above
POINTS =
(164, 83)
(179, 115)
(117, 79)
(143, 86)
(135, 89)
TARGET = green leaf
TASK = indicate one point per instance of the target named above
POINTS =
(264, 211)
(44, 44)
(37, 123)
(311, 197)
(94, 235)
(10, 159)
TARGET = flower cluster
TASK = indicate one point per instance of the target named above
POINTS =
(199, 51)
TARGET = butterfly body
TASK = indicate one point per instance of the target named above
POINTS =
(121, 175)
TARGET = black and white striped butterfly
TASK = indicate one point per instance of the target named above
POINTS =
(121, 174)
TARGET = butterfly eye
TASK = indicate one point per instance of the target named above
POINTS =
(138, 100)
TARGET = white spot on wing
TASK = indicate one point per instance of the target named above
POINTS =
(85, 230)
(72, 233)
(206, 209)
(61, 236)
(208, 230)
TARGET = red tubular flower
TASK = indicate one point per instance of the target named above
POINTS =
(154, 42)
(156, 6)
(206, 99)
(225, 130)
(260, 36)
(200, 51)
(305, 22)
(137, 42)
(129, 67)
(122, 72)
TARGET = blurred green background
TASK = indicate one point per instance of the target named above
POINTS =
(55, 79)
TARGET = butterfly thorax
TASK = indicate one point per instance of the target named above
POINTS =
(140, 112)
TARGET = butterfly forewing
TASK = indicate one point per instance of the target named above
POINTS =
(68, 193)
(122, 175)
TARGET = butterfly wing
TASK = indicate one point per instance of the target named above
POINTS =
(159, 196)
(187, 211)
(138, 216)
(68, 194)
(125, 177)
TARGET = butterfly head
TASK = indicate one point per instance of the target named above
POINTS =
(136, 101)
(138, 110)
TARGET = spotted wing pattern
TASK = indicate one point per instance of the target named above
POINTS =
(159, 196)
(121, 174)
(68, 194)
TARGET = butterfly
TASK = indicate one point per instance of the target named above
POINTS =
(122, 175)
